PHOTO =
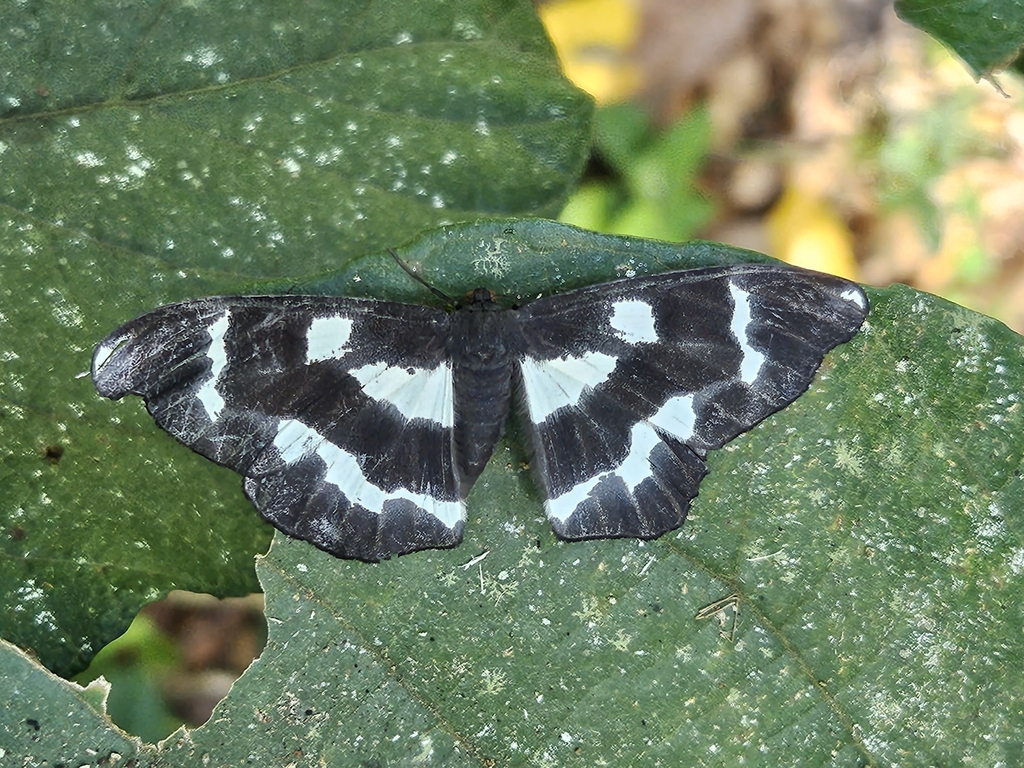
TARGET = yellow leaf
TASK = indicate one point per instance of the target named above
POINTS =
(594, 39)
(807, 232)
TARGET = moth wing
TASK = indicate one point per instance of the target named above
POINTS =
(337, 412)
(625, 386)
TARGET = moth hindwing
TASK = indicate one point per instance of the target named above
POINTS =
(360, 426)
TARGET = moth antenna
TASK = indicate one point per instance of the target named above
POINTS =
(421, 281)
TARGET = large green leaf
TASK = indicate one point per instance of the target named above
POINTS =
(870, 536)
(987, 34)
(157, 151)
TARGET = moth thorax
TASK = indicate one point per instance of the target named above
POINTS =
(482, 369)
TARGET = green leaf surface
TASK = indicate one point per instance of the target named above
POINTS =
(869, 536)
(155, 151)
(987, 34)
(45, 719)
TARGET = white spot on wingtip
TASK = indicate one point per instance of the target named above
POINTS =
(855, 296)
(327, 338)
(752, 360)
(633, 321)
(208, 396)
(104, 352)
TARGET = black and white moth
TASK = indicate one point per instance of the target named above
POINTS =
(360, 426)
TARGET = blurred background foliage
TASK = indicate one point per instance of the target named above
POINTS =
(827, 133)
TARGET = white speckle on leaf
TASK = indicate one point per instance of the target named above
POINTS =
(466, 29)
(252, 123)
(328, 156)
(492, 681)
(494, 263)
(204, 57)
(89, 160)
(28, 592)
(621, 640)
(64, 312)
(848, 458)
(991, 528)
(1015, 561)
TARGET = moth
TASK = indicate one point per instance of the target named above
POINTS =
(360, 425)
